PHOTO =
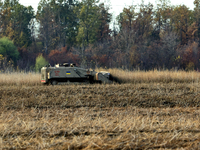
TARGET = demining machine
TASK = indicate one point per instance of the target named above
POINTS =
(69, 72)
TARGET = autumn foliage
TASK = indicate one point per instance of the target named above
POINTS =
(144, 37)
(63, 55)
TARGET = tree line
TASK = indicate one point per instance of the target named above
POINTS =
(145, 37)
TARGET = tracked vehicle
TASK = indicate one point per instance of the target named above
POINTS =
(70, 73)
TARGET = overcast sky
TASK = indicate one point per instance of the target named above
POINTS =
(116, 6)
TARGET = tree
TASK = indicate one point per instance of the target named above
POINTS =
(163, 13)
(15, 21)
(66, 22)
(89, 17)
(58, 23)
(126, 18)
(45, 19)
(8, 50)
(145, 23)
(62, 56)
(197, 17)
(105, 19)
(182, 19)
(168, 52)
(21, 17)
(127, 34)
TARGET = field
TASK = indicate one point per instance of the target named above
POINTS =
(149, 110)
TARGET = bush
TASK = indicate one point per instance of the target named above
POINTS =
(8, 50)
(40, 62)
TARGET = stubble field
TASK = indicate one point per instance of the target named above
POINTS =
(151, 110)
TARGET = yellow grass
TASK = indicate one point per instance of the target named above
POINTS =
(113, 128)
(31, 78)
(154, 76)
(116, 116)
(20, 78)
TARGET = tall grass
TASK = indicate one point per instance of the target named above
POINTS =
(20, 78)
(166, 76)
(124, 76)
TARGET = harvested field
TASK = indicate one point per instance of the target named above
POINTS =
(123, 95)
(125, 116)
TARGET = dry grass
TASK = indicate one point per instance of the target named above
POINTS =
(126, 116)
(152, 114)
(32, 79)
(20, 78)
(144, 95)
(154, 76)
(94, 128)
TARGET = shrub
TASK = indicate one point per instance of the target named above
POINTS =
(8, 50)
(40, 62)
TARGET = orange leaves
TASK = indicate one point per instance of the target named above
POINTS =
(102, 60)
(61, 56)
(191, 56)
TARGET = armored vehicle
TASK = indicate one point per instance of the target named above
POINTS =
(70, 73)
